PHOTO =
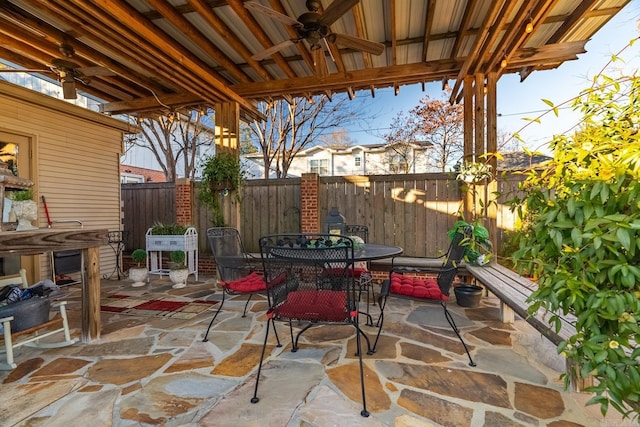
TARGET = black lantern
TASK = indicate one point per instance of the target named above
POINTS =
(334, 223)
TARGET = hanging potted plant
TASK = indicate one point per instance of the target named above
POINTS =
(139, 273)
(221, 174)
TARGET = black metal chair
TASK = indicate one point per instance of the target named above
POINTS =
(362, 270)
(310, 281)
(236, 273)
(417, 283)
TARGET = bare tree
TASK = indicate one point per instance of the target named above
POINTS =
(435, 121)
(174, 140)
(336, 139)
(292, 127)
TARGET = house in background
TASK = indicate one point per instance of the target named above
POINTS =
(137, 175)
(364, 159)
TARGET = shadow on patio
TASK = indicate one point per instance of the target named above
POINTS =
(149, 369)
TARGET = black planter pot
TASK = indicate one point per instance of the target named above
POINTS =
(468, 295)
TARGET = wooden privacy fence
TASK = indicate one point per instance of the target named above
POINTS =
(413, 211)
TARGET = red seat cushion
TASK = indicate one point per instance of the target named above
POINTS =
(416, 287)
(320, 305)
(252, 282)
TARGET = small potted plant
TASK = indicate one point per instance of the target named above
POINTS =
(179, 272)
(24, 208)
(139, 273)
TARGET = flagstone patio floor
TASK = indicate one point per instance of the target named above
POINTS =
(148, 370)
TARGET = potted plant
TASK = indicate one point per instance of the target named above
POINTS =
(221, 174)
(478, 249)
(139, 273)
(179, 272)
(24, 208)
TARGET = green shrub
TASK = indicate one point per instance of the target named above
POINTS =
(177, 258)
(22, 195)
(584, 241)
(160, 229)
(138, 256)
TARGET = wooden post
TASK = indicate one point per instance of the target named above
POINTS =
(226, 138)
(468, 137)
(492, 148)
(91, 294)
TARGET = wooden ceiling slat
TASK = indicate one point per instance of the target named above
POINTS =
(359, 20)
(465, 29)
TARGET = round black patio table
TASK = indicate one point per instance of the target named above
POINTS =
(371, 251)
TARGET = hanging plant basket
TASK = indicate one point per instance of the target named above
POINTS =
(225, 184)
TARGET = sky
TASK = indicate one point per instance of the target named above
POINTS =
(519, 100)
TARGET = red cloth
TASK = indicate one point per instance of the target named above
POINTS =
(320, 305)
(416, 287)
(253, 282)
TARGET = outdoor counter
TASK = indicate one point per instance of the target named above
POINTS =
(34, 242)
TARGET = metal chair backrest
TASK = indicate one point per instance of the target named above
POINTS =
(361, 231)
(455, 254)
(228, 251)
(309, 277)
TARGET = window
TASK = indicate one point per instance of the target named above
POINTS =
(398, 164)
(358, 161)
(320, 166)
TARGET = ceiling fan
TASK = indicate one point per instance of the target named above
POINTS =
(66, 71)
(313, 27)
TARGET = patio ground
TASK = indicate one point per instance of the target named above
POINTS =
(150, 370)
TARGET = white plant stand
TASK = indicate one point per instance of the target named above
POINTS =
(157, 244)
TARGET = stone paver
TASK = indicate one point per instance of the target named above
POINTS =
(157, 371)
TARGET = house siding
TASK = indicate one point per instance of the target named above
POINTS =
(76, 164)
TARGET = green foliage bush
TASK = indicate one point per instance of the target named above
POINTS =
(177, 258)
(160, 229)
(138, 256)
(584, 240)
(22, 195)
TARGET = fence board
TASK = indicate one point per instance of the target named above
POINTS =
(413, 211)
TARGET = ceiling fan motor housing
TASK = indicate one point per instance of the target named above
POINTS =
(312, 29)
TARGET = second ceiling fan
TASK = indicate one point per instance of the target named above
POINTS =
(313, 27)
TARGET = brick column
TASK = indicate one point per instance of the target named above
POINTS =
(310, 214)
(183, 201)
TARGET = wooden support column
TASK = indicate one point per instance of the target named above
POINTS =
(492, 147)
(227, 125)
(469, 132)
(227, 132)
(479, 146)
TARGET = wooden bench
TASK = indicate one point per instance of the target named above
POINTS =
(513, 290)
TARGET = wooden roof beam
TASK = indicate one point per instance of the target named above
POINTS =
(182, 24)
(204, 9)
(68, 18)
(211, 82)
(394, 35)
(260, 35)
(481, 37)
(431, 8)
(571, 20)
(400, 74)
(465, 29)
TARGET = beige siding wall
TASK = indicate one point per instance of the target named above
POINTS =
(76, 164)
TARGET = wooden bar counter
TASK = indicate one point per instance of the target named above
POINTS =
(34, 242)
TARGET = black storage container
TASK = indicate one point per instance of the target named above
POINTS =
(28, 313)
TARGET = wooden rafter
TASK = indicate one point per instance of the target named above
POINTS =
(431, 7)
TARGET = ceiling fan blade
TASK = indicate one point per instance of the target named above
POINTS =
(335, 10)
(273, 49)
(320, 61)
(64, 64)
(95, 71)
(357, 43)
(257, 7)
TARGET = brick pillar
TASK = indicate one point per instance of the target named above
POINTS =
(183, 201)
(309, 206)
